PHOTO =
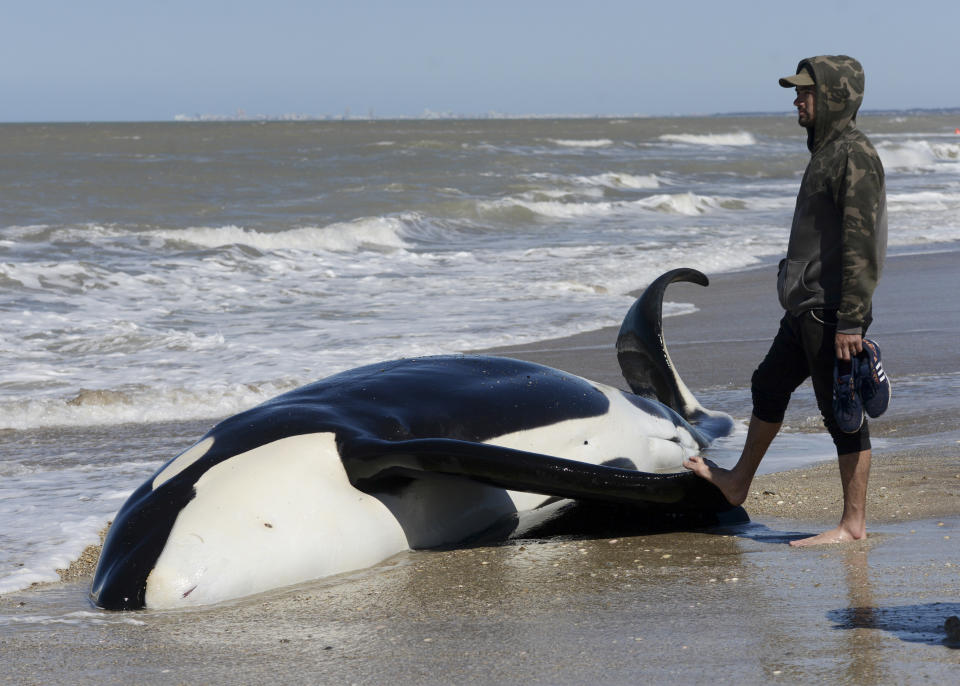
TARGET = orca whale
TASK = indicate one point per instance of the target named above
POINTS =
(415, 453)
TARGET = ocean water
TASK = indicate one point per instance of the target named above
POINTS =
(165, 274)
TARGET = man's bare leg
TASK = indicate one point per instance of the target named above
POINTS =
(854, 473)
(735, 483)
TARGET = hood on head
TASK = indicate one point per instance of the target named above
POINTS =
(839, 82)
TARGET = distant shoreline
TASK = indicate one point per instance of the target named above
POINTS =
(293, 117)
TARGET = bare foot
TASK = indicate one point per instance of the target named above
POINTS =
(734, 491)
(838, 535)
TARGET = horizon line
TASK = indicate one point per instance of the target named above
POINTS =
(430, 115)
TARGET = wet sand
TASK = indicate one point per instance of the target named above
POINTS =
(604, 600)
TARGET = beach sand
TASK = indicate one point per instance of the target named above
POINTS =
(607, 601)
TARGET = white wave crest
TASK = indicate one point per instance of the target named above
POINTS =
(688, 204)
(140, 405)
(553, 209)
(352, 236)
(712, 139)
(612, 180)
(918, 155)
(575, 143)
(924, 200)
(619, 180)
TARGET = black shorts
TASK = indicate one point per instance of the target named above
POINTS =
(803, 347)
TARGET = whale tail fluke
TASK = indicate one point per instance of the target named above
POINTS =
(646, 364)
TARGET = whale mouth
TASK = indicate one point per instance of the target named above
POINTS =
(133, 546)
(120, 582)
(119, 592)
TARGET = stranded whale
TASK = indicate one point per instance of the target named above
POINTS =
(416, 453)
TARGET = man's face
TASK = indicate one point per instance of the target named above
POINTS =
(805, 103)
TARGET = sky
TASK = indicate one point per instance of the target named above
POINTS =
(132, 60)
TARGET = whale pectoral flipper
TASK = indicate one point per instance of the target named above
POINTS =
(646, 364)
(641, 351)
(368, 460)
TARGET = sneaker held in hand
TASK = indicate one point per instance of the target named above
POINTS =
(873, 382)
(847, 408)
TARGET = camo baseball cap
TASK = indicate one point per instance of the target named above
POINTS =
(801, 78)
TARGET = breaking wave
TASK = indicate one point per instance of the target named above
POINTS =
(352, 236)
(918, 155)
(618, 180)
(714, 139)
(103, 407)
(688, 204)
(574, 143)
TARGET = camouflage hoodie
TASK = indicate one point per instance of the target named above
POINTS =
(838, 239)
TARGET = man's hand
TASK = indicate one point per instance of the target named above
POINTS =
(847, 345)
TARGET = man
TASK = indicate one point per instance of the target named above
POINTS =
(837, 246)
